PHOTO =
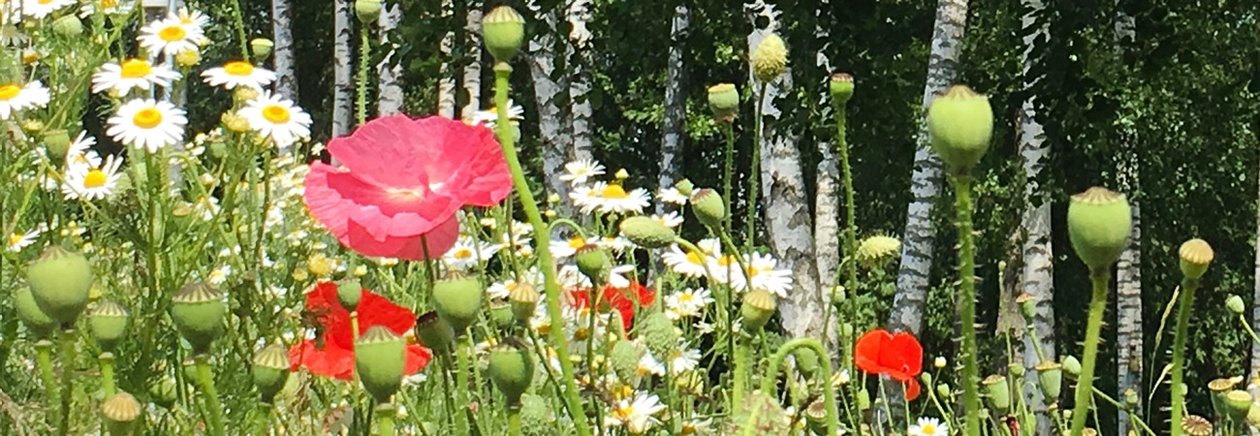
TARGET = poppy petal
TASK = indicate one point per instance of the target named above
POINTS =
(329, 361)
(417, 359)
(912, 389)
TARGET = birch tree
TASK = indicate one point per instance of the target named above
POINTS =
(675, 101)
(827, 188)
(472, 68)
(390, 95)
(548, 94)
(579, 60)
(1129, 335)
(282, 53)
(446, 83)
(343, 84)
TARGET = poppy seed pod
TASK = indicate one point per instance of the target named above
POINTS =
(434, 332)
(68, 25)
(841, 88)
(724, 102)
(709, 208)
(960, 122)
(1195, 425)
(107, 322)
(501, 314)
(261, 47)
(270, 371)
(504, 31)
(199, 311)
(816, 417)
(593, 261)
(1099, 222)
(1050, 379)
(60, 281)
(647, 232)
(511, 368)
(1235, 304)
(1253, 415)
(997, 391)
(685, 187)
(121, 411)
(769, 59)
(1195, 256)
(1027, 305)
(40, 325)
(367, 10)
(757, 308)
(458, 301)
(349, 292)
(1072, 366)
(380, 357)
(624, 359)
(524, 299)
(1237, 404)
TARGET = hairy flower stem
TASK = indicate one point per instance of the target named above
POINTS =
(754, 176)
(106, 360)
(67, 378)
(1188, 286)
(43, 359)
(967, 290)
(385, 419)
(214, 410)
(769, 385)
(463, 367)
(743, 348)
(1093, 330)
(728, 170)
(850, 224)
(365, 56)
(238, 17)
(502, 71)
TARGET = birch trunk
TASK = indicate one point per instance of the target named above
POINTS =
(827, 190)
(919, 238)
(579, 14)
(282, 52)
(343, 84)
(390, 98)
(446, 83)
(548, 92)
(472, 69)
(1255, 308)
(675, 102)
(1129, 337)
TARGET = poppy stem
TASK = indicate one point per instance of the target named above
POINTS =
(67, 378)
(770, 387)
(507, 139)
(463, 367)
(967, 288)
(43, 359)
(728, 169)
(106, 360)
(1093, 330)
(743, 348)
(385, 419)
(1188, 286)
(514, 421)
(754, 175)
(214, 410)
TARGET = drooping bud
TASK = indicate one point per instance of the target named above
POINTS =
(757, 308)
(769, 59)
(458, 301)
(261, 47)
(997, 391)
(40, 325)
(162, 391)
(524, 299)
(434, 332)
(68, 26)
(349, 292)
(199, 311)
(647, 232)
(379, 358)
(709, 208)
(1235, 304)
(56, 143)
(593, 261)
(367, 10)
(1195, 255)
(658, 334)
(841, 88)
(724, 102)
(108, 324)
(270, 370)
(121, 411)
(961, 125)
(60, 281)
(1099, 223)
(504, 31)
(1050, 379)
(806, 361)
(511, 368)
(1072, 366)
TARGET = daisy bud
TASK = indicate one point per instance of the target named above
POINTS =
(379, 357)
(1015, 369)
(658, 334)
(1072, 366)
(68, 25)
(1195, 255)
(685, 187)
(758, 306)
(199, 311)
(501, 314)
(60, 280)
(270, 371)
(524, 298)
(841, 88)
(56, 143)
(503, 30)
(961, 124)
(31, 56)
(769, 59)
(349, 292)
(624, 359)
(1050, 379)
(621, 174)
(593, 261)
(108, 324)
(40, 325)
(234, 123)
(551, 214)
(998, 393)
(876, 249)
(367, 10)
(511, 368)
(1099, 223)
(1235, 304)
(434, 332)
(121, 411)
(709, 208)
(261, 47)
(939, 362)
(188, 58)
(806, 361)
(243, 94)
(458, 301)
(647, 232)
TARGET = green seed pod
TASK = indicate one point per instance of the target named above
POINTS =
(806, 361)
(68, 26)
(841, 88)
(270, 370)
(709, 208)
(379, 357)
(658, 334)
(349, 292)
(864, 399)
(624, 360)
(434, 332)
(647, 232)
(199, 311)
(1027, 305)
(367, 10)
(758, 306)
(40, 325)
(504, 31)
(1072, 366)
(60, 281)
(593, 261)
(1195, 255)
(1235, 304)
(121, 411)
(458, 301)
(511, 369)
(1253, 415)
(997, 391)
(961, 125)
(724, 102)
(769, 59)
(1050, 379)
(1099, 222)
(1218, 388)
(501, 314)
(261, 47)
(107, 322)
(524, 299)
(56, 144)
(816, 417)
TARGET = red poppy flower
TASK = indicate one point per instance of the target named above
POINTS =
(620, 299)
(401, 181)
(334, 357)
(898, 356)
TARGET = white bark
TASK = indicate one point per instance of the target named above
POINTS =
(675, 103)
(446, 83)
(472, 70)
(390, 96)
(1129, 337)
(827, 190)
(343, 84)
(282, 53)
(548, 92)
(579, 14)
(1255, 308)
(919, 238)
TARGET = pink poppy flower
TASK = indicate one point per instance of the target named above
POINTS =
(402, 180)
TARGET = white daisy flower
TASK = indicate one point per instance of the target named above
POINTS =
(194, 20)
(40, 9)
(692, 264)
(683, 359)
(764, 274)
(705, 328)
(108, 7)
(670, 219)
(219, 275)
(562, 248)
(468, 253)
(80, 156)
(725, 269)
(613, 198)
(241, 73)
(170, 36)
(928, 427)
(671, 195)
(617, 276)
(698, 426)
(148, 123)
(576, 173)
(636, 414)
(132, 74)
(648, 365)
(15, 97)
(20, 240)
(277, 118)
(688, 303)
(570, 277)
(93, 183)
(11, 36)
(490, 115)
(616, 244)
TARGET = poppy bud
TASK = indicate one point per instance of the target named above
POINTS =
(624, 359)
(926, 377)
(1195, 255)
(56, 143)
(961, 124)
(658, 334)
(864, 399)
(379, 357)
(769, 59)
(261, 47)
(349, 292)
(593, 261)
(1099, 223)
(434, 331)
(367, 10)
(685, 187)
(503, 30)
(998, 392)
(806, 361)
(1072, 366)
(60, 281)
(199, 310)
(458, 301)
(841, 88)
(121, 411)
(108, 323)
(709, 208)
(875, 249)
(758, 306)
(1235, 304)
(647, 232)
(524, 299)
(501, 314)
(511, 369)
(270, 371)
(838, 295)
(1050, 379)
(68, 25)
(724, 102)
(40, 325)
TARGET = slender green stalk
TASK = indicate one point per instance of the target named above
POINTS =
(462, 367)
(728, 170)
(1093, 330)
(514, 421)
(850, 212)
(214, 409)
(43, 359)
(106, 360)
(967, 290)
(545, 262)
(67, 378)
(385, 419)
(754, 176)
(743, 348)
(365, 56)
(1188, 286)
(769, 385)
(237, 16)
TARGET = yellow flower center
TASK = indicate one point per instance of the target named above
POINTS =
(276, 114)
(615, 191)
(172, 33)
(44, 2)
(147, 118)
(135, 69)
(463, 253)
(695, 258)
(16, 238)
(686, 297)
(928, 429)
(95, 179)
(238, 68)
(726, 260)
(577, 242)
(9, 91)
(109, 3)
